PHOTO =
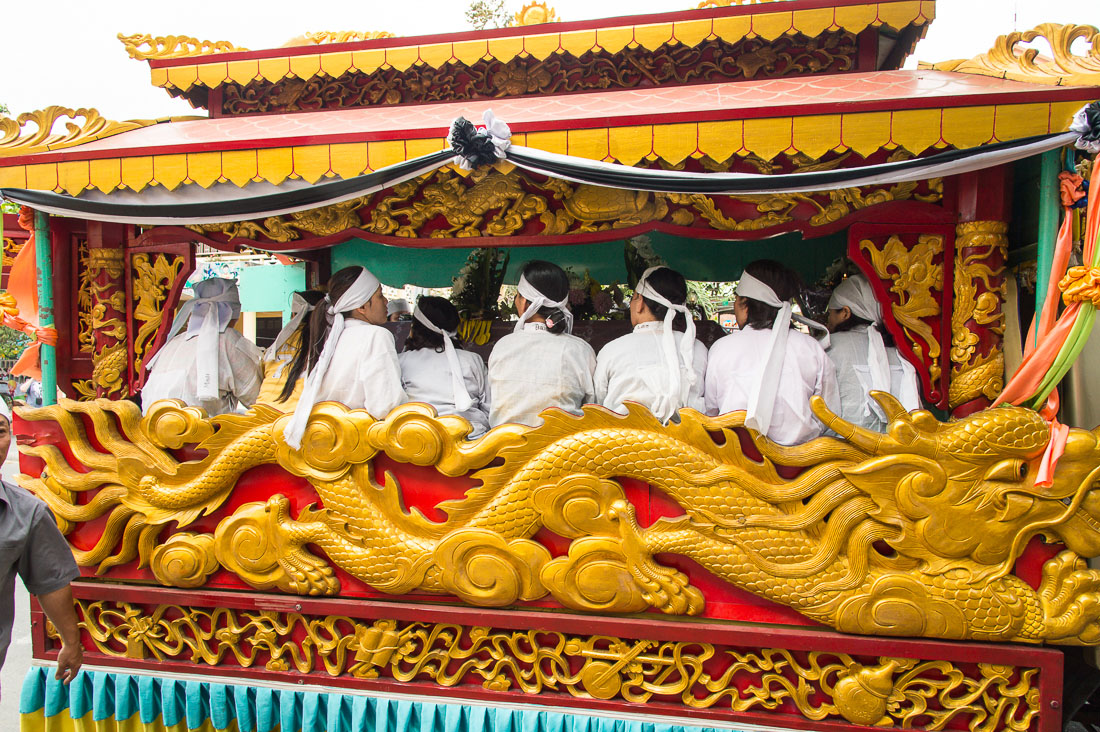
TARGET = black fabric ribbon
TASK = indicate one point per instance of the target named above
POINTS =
(476, 148)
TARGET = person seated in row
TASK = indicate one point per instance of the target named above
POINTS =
(767, 367)
(540, 364)
(210, 365)
(278, 389)
(865, 357)
(660, 364)
(349, 357)
(435, 370)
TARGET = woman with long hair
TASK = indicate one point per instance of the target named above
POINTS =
(436, 371)
(865, 357)
(767, 367)
(659, 364)
(349, 357)
(540, 364)
(277, 389)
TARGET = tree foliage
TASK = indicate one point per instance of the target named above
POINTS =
(4, 109)
(482, 14)
(12, 343)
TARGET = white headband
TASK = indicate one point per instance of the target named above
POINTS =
(762, 399)
(357, 295)
(299, 311)
(462, 398)
(536, 300)
(856, 294)
(681, 379)
(216, 302)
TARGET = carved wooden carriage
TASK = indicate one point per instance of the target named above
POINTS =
(596, 566)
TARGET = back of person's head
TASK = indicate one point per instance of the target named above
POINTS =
(443, 314)
(319, 321)
(552, 281)
(672, 285)
(300, 299)
(857, 295)
(784, 282)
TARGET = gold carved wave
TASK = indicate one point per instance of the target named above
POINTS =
(15, 141)
(143, 46)
(893, 692)
(814, 543)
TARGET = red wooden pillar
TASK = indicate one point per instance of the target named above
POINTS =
(982, 203)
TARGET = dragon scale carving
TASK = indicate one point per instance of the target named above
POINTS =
(866, 539)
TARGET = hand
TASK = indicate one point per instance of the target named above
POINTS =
(69, 661)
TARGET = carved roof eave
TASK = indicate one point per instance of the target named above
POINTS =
(1063, 68)
(19, 137)
(731, 24)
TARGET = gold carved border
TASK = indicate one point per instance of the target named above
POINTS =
(888, 691)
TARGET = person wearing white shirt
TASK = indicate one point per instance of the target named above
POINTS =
(540, 364)
(658, 365)
(767, 367)
(285, 359)
(436, 371)
(352, 359)
(865, 356)
(209, 365)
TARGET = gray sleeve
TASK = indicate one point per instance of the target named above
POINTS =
(47, 562)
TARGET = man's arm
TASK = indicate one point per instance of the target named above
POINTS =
(58, 606)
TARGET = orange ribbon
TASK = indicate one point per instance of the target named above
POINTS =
(1081, 284)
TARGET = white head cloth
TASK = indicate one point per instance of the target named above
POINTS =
(681, 378)
(397, 305)
(762, 400)
(361, 290)
(536, 300)
(856, 294)
(458, 385)
(216, 303)
(5, 410)
(299, 311)
(497, 131)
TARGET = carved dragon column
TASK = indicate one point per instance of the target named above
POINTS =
(977, 319)
(106, 290)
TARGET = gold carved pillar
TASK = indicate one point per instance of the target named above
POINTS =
(103, 293)
(977, 319)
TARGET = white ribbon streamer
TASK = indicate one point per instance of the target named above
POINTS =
(856, 294)
(362, 290)
(216, 303)
(462, 398)
(681, 379)
(762, 400)
(536, 300)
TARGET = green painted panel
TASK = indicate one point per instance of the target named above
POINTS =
(267, 288)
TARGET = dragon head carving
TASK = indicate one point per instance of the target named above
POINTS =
(964, 492)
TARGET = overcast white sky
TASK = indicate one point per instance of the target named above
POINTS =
(65, 52)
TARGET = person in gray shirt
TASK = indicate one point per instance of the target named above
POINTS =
(32, 547)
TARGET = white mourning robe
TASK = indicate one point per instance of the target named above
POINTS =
(364, 373)
(535, 369)
(848, 351)
(426, 376)
(175, 374)
(633, 368)
(733, 373)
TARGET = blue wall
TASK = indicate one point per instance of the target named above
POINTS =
(266, 288)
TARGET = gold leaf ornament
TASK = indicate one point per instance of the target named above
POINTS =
(92, 126)
(484, 569)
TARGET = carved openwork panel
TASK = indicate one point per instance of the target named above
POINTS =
(155, 275)
(909, 267)
(711, 60)
(601, 513)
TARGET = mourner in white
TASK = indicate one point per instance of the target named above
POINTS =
(864, 356)
(209, 365)
(277, 389)
(540, 364)
(767, 367)
(351, 359)
(659, 365)
(436, 371)
(397, 309)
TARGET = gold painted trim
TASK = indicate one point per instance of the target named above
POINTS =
(143, 46)
(1064, 68)
(768, 24)
(864, 133)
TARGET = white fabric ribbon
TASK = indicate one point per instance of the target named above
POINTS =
(299, 311)
(216, 303)
(681, 379)
(462, 398)
(762, 400)
(536, 300)
(856, 294)
(362, 290)
(495, 130)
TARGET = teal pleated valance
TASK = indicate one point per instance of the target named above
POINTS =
(120, 696)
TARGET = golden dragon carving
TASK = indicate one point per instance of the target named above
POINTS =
(914, 532)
